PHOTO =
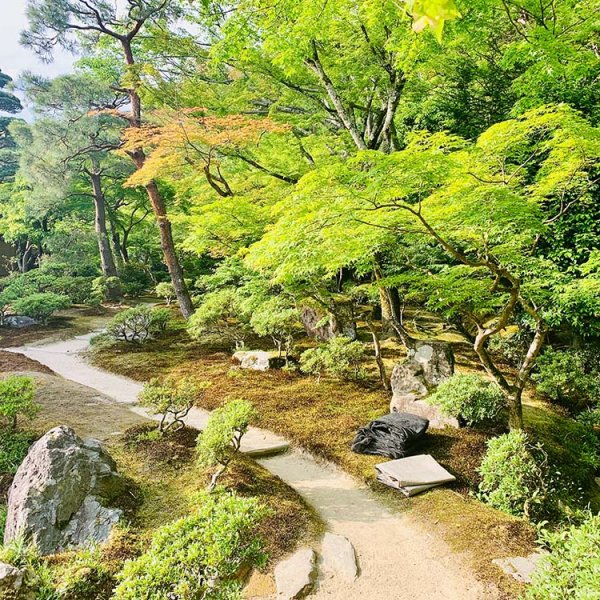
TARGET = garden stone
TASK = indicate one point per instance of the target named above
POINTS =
(61, 495)
(427, 365)
(339, 557)
(255, 360)
(324, 327)
(295, 577)
(12, 584)
(19, 322)
(520, 568)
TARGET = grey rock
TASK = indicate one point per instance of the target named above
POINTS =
(339, 557)
(295, 577)
(428, 364)
(13, 584)
(19, 322)
(325, 326)
(520, 568)
(61, 494)
(255, 360)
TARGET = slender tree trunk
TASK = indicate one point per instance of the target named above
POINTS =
(515, 410)
(378, 358)
(107, 260)
(157, 202)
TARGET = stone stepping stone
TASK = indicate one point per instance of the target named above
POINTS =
(520, 568)
(295, 576)
(338, 557)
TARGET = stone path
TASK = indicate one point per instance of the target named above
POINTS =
(398, 559)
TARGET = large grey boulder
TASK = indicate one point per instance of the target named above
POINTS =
(62, 493)
(295, 577)
(325, 326)
(426, 366)
(13, 584)
(19, 321)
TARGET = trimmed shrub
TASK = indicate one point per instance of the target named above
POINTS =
(166, 291)
(340, 357)
(138, 324)
(40, 306)
(515, 477)
(470, 397)
(135, 279)
(107, 288)
(200, 556)
(172, 398)
(219, 442)
(16, 399)
(570, 377)
(572, 570)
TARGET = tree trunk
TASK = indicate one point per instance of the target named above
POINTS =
(515, 410)
(156, 201)
(378, 359)
(107, 260)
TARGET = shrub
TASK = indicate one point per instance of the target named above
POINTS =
(108, 289)
(13, 449)
(40, 306)
(138, 324)
(340, 357)
(199, 556)
(78, 289)
(84, 577)
(572, 570)
(277, 320)
(135, 279)
(470, 397)
(515, 476)
(219, 442)
(165, 290)
(23, 555)
(590, 417)
(571, 377)
(172, 398)
(16, 399)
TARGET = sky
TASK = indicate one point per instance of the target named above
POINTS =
(14, 59)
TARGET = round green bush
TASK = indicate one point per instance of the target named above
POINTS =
(40, 306)
(470, 397)
(515, 477)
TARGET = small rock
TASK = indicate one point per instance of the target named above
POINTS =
(520, 567)
(256, 360)
(19, 322)
(339, 557)
(12, 584)
(295, 577)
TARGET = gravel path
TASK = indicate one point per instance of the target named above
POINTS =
(398, 558)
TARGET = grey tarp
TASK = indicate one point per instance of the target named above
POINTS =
(394, 435)
(413, 474)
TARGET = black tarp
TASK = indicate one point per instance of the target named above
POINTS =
(394, 435)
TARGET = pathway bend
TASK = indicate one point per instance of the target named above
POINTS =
(399, 559)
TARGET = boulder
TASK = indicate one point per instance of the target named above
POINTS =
(323, 327)
(19, 322)
(13, 584)
(426, 366)
(61, 495)
(295, 577)
(339, 557)
(257, 360)
(521, 568)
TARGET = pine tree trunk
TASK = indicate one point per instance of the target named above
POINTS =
(107, 260)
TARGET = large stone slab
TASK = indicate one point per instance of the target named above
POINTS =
(257, 360)
(61, 495)
(338, 557)
(295, 577)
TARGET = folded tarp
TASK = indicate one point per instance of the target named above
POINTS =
(394, 435)
(413, 474)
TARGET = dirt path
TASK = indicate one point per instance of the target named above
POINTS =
(398, 559)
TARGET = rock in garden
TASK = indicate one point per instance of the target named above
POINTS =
(19, 322)
(520, 568)
(339, 557)
(61, 495)
(295, 577)
(426, 366)
(324, 327)
(255, 360)
(12, 584)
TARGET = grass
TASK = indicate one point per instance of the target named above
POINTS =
(323, 418)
